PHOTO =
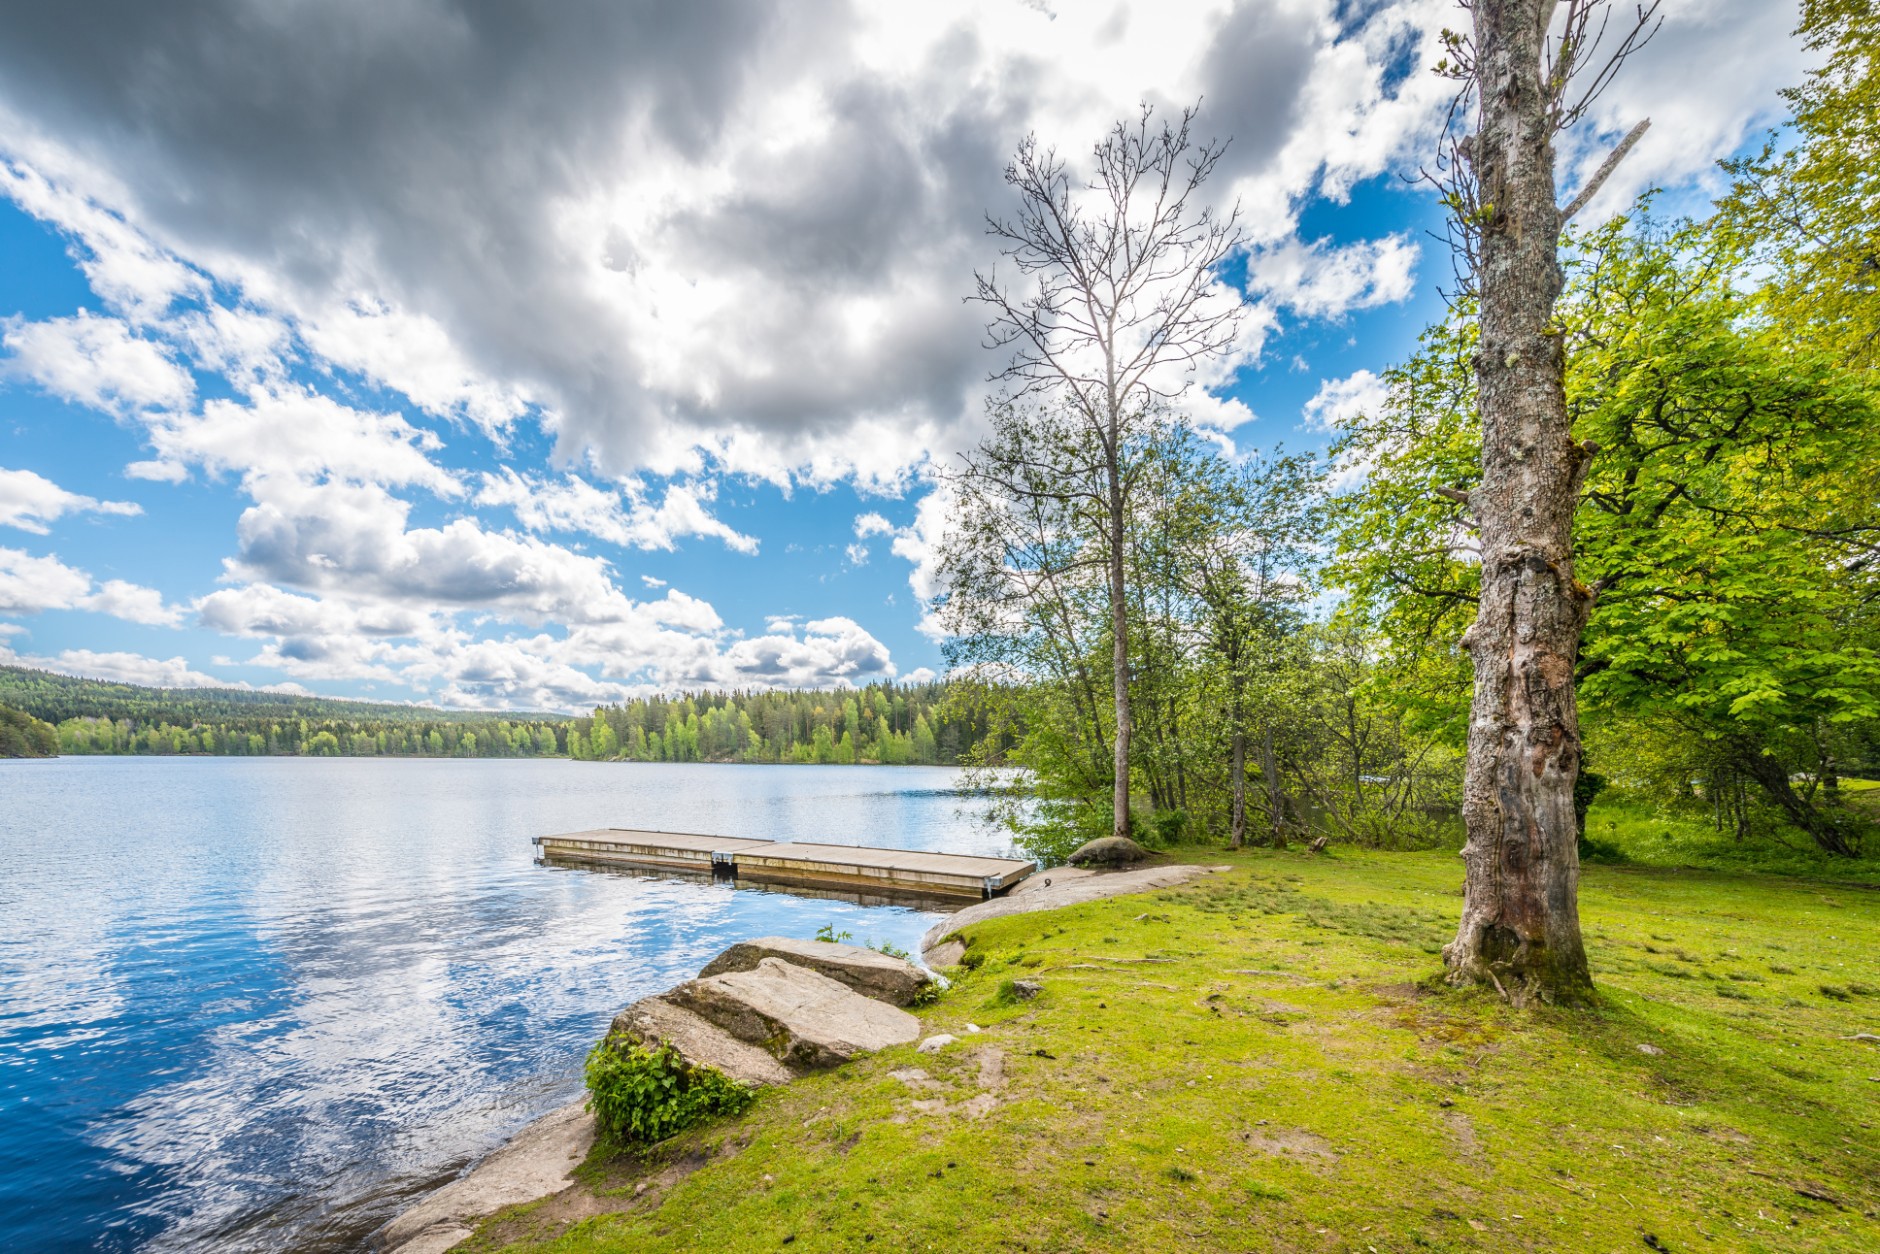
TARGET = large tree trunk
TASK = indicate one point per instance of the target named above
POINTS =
(1520, 926)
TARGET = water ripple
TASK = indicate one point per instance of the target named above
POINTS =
(256, 1005)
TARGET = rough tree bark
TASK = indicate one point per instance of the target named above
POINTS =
(1520, 928)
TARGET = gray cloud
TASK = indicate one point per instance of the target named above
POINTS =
(555, 200)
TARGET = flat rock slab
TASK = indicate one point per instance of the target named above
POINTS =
(534, 1164)
(872, 974)
(1066, 888)
(657, 1021)
(805, 1020)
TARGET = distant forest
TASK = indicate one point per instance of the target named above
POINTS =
(879, 724)
(94, 716)
(882, 723)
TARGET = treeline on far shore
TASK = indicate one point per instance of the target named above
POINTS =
(889, 724)
(47, 713)
(92, 716)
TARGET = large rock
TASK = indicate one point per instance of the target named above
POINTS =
(872, 974)
(1053, 891)
(805, 1020)
(1108, 851)
(655, 1021)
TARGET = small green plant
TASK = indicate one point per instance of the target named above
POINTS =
(891, 949)
(828, 935)
(972, 961)
(1007, 995)
(641, 1094)
(927, 994)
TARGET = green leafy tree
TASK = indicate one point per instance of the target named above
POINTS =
(1718, 528)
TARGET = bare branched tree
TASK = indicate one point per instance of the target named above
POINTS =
(1118, 302)
(1527, 77)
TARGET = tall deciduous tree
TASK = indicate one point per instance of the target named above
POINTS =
(1520, 927)
(1118, 303)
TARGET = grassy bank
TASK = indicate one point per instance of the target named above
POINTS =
(1257, 1062)
(1622, 828)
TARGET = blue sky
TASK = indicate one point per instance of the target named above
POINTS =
(539, 359)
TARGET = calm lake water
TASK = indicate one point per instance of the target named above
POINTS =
(257, 1004)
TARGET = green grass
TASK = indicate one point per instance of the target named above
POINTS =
(1635, 831)
(1260, 1062)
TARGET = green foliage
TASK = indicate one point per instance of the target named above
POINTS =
(889, 724)
(828, 935)
(1005, 996)
(23, 736)
(1808, 204)
(1721, 523)
(642, 1095)
(1216, 558)
(100, 717)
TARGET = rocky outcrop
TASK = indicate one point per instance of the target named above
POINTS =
(1108, 851)
(803, 1019)
(870, 973)
(1050, 891)
(761, 1013)
(656, 1021)
(535, 1163)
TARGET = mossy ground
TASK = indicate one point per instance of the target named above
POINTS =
(1261, 1061)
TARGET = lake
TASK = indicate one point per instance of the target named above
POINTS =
(257, 1004)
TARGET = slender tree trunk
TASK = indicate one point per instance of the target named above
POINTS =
(1276, 802)
(1822, 827)
(1520, 927)
(1239, 769)
(1119, 643)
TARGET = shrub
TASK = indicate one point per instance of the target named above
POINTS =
(644, 1094)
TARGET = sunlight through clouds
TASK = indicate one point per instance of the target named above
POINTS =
(473, 317)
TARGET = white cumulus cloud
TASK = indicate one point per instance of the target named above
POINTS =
(30, 502)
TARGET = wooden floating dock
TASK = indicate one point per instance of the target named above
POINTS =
(805, 863)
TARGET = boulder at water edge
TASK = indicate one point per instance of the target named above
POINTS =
(870, 973)
(1108, 851)
(804, 1020)
(654, 1021)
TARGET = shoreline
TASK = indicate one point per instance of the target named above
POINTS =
(539, 1160)
(534, 1163)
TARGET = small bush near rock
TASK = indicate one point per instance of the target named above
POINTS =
(1012, 992)
(643, 1094)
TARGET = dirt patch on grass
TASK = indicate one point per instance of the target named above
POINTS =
(1294, 1143)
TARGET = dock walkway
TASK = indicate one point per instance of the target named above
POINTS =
(806, 863)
